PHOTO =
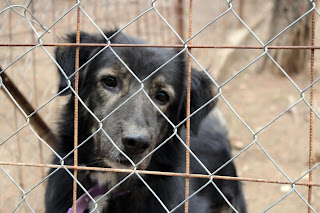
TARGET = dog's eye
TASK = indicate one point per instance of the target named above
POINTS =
(110, 81)
(163, 97)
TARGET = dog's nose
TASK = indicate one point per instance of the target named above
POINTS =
(135, 144)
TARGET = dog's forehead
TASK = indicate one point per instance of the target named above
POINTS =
(143, 63)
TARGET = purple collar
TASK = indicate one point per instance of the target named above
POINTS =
(84, 200)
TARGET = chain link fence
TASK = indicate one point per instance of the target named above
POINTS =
(272, 121)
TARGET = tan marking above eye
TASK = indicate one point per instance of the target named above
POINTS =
(113, 72)
(158, 86)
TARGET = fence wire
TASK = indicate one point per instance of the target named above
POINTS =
(29, 18)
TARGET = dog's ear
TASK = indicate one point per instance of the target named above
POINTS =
(202, 90)
(65, 57)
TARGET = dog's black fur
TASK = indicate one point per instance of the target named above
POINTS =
(139, 122)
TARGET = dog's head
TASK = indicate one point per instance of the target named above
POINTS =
(121, 88)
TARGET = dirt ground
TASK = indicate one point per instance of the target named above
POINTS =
(286, 140)
(257, 96)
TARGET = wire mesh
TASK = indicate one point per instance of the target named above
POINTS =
(21, 54)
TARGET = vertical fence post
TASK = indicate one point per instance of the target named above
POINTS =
(311, 112)
(188, 111)
(76, 108)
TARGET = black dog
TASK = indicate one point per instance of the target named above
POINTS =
(135, 129)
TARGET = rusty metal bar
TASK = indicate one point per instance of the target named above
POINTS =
(186, 206)
(148, 172)
(36, 121)
(311, 112)
(76, 112)
(248, 47)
